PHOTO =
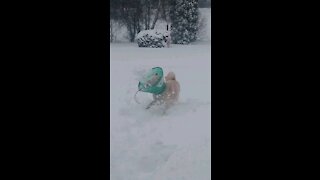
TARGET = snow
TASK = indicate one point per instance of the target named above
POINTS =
(152, 38)
(145, 144)
(153, 33)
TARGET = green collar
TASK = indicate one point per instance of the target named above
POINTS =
(152, 89)
(158, 87)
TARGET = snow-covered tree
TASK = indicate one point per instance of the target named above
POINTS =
(184, 15)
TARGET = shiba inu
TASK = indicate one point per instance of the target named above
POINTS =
(170, 95)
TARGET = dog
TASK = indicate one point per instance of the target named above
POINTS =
(170, 96)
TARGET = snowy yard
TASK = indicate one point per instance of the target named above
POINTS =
(146, 145)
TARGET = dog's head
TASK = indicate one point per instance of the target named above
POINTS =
(170, 76)
(154, 79)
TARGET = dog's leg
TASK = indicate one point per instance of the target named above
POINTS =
(156, 99)
(167, 105)
(151, 104)
(164, 112)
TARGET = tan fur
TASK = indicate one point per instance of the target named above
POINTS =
(171, 94)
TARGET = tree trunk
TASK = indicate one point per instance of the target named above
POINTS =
(145, 20)
(148, 15)
(157, 15)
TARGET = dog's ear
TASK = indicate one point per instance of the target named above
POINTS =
(171, 76)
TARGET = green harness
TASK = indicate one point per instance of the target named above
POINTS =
(152, 82)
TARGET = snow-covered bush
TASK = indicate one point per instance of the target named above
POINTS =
(152, 38)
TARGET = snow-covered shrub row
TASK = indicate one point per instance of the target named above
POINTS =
(152, 38)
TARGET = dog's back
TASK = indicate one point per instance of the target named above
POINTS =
(172, 90)
(171, 94)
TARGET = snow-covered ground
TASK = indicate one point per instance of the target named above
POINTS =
(146, 145)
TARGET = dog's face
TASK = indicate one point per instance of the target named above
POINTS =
(155, 78)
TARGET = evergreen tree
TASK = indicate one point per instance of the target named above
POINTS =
(184, 15)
